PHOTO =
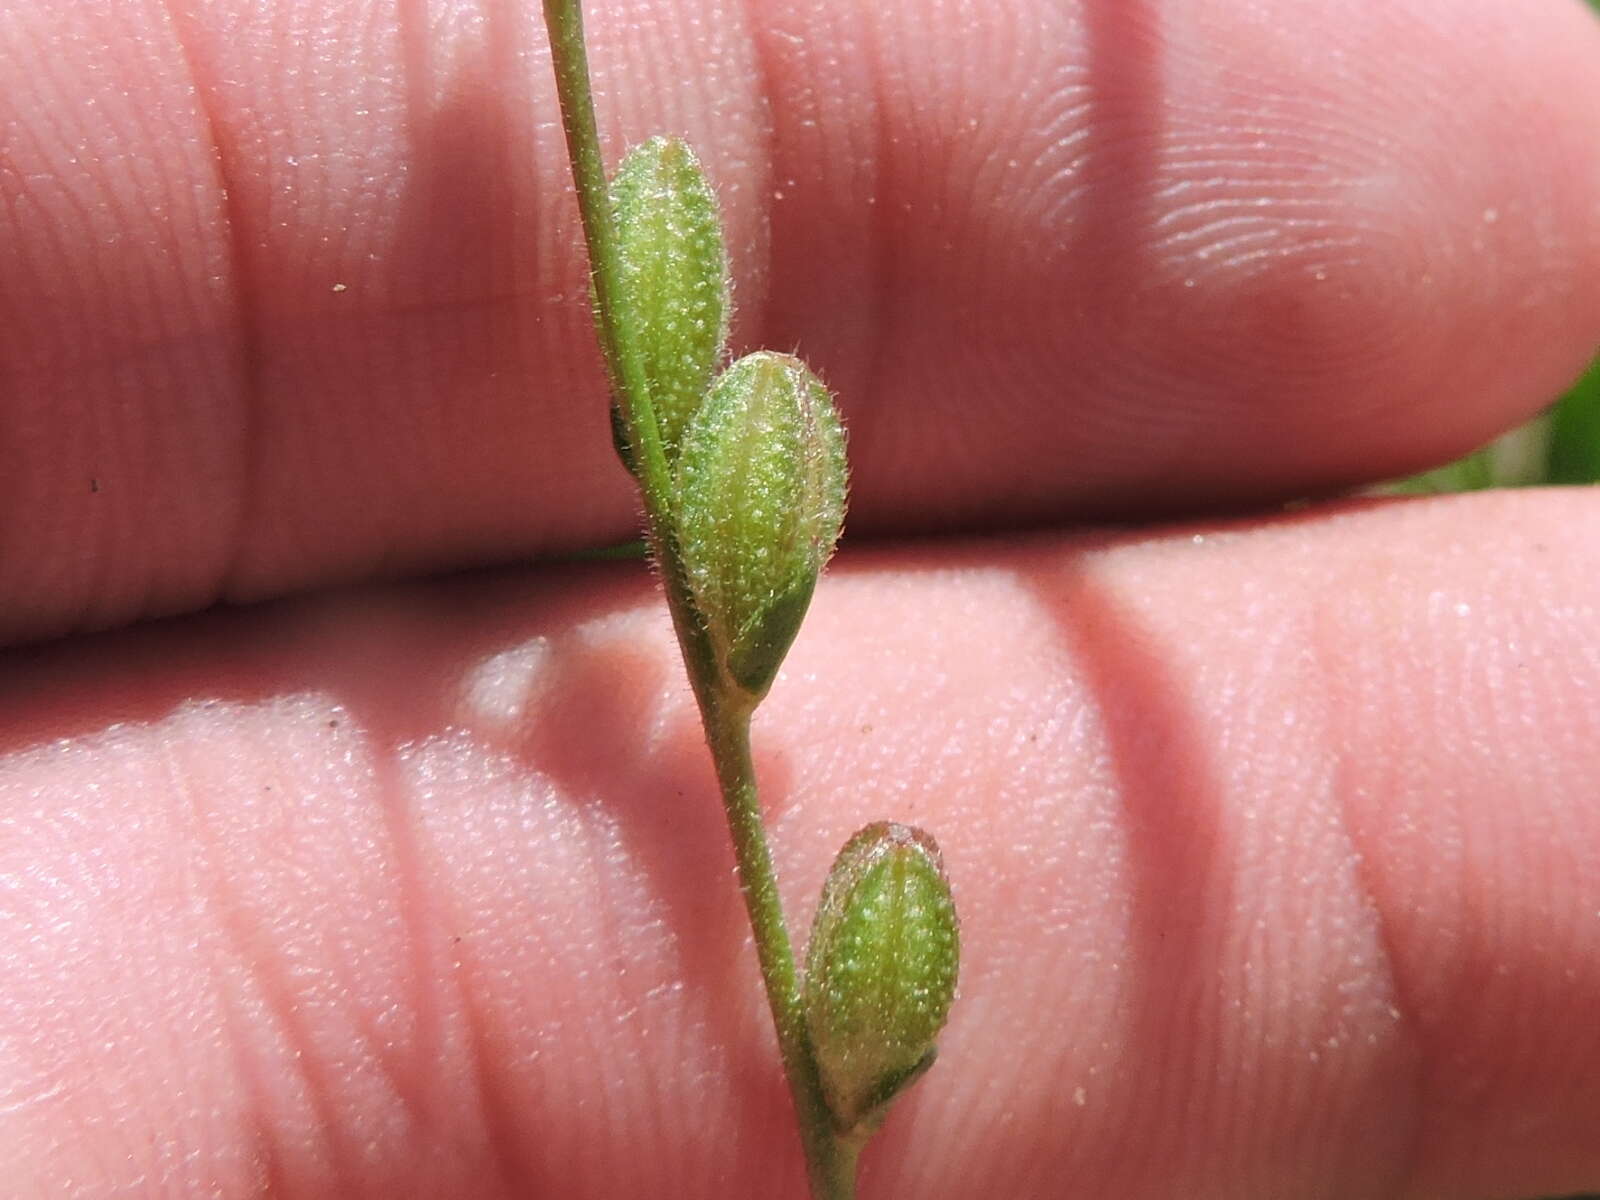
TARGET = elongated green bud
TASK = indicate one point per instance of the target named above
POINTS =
(761, 487)
(674, 302)
(880, 970)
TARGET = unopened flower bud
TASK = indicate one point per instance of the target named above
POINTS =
(880, 969)
(674, 300)
(761, 489)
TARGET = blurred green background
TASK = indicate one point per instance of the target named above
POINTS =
(1560, 446)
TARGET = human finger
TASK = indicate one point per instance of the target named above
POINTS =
(294, 293)
(1273, 846)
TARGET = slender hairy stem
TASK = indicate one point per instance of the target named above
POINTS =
(830, 1161)
(564, 20)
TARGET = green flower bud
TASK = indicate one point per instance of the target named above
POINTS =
(880, 970)
(761, 486)
(674, 301)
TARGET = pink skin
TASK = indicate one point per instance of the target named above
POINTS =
(978, 226)
(1275, 842)
(1275, 847)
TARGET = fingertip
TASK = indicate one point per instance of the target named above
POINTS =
(1212, 253)
(1372, 240)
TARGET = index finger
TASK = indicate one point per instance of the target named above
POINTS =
(294, 293)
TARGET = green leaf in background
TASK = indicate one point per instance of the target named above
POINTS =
(1514, 459)
(1560, 445)
(1469, 473)
(1574, 455)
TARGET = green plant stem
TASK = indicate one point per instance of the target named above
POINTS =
(830, 1160)
(564, 20)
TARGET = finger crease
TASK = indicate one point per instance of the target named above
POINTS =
(247, 358)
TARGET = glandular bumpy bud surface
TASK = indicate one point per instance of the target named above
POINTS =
(674, 300)
(881, 969)
(760, 503)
